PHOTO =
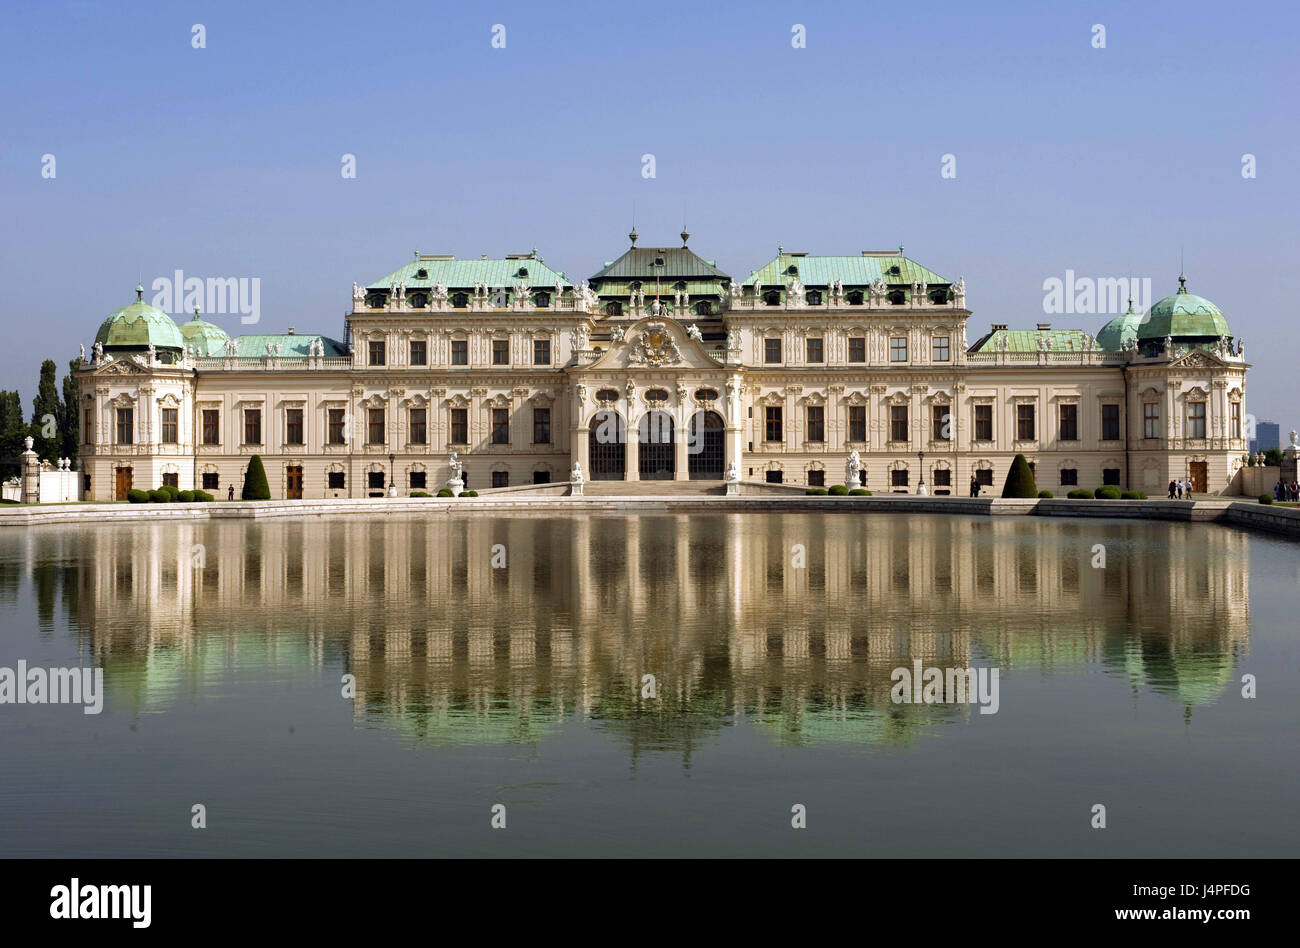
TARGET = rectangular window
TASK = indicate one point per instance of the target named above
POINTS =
(376, 433)
(984, 477)
(169, 434)
(460, 426)
(772, 477)
(772, 423)
(500, 478)
(419, 480)
(541, 426)
(500, 426)
(857, 349)
(293, 426)
(419, 352)
(1234, 422)
(939, 348)
(1196, 419)
(942, 477)
(336, 480)
(375, 480)
(898, 423)
(334, 433)
(1109, 422)
(814, 347)
(940, 419)
(1069, 421)
(126, 426)
(816, 423)
(897, 478)
(1110, 476)
(377, 352)
(211, 426)
(772, 351)
(1069, 476)
(541, 477)
(252, 426)
(89, 421)
(857, 422)
(500, 351)
(816, 478)
(460, 352)
(983, 422)
(1151, 419)
(897, 348)
(211, 480)
(1024, 422)
(171, 480)
(419, 426)
(541, 352)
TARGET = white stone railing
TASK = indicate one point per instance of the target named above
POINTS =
(245, 363)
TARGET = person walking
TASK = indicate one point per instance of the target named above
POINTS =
(230, 494)
(1172, 489)
(1187, 489)
(974, 486)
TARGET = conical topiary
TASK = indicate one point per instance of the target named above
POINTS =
(1020, 479)
(255, 486)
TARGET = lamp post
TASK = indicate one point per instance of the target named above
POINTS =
(920, 484)
(392, 484)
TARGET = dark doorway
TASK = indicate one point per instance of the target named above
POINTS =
(607, 447)
(655, 460)
(704, 448)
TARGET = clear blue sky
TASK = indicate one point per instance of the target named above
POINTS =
(225, 161)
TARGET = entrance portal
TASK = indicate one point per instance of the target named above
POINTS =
(293, 483)
(704, 447)
(1197, 474)
(123, 482)
(607, 447)
(655, 460)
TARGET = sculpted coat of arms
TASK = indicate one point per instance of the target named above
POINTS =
(654, 346)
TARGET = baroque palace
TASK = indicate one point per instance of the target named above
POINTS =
(660, 366)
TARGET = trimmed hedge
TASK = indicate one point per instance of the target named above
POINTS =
(819, 491)
(469, 493)
(1047, 494)
(158, 497)
(838, 490)
(445, 492)
(859, 492)
(1265, 498)
(1020, 479)
(1132, 495)
(1108, 492)
(255, 485)
(204, 496)
(173, 493)
(1080, 493)
(186, 497)
(420, 493)
(137, 496)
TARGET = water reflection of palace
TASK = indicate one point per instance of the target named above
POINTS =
(795, 621)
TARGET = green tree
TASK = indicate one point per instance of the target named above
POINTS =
(45, 413)
(255, 485)
(12, 431)
(1020, 479)
(1273, 457)
(70, 411)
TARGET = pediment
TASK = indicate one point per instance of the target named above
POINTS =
(655, 342)
(1198, 359)
(123, 366)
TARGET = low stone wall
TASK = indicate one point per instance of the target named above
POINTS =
(1281, 520)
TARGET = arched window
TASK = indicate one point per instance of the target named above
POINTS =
(814, 298)
(704, 308)
(939, 297)
(613, 308)
(459, 300)
(897, 298)
(419, 300)
(543, 299)
(772, 298)
(656, 395)
(855, 298)
(706, 394)
(374, 300)
(607, 395)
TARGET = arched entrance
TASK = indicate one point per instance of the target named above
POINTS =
(655, 460)
(704, 446)
(607, 446)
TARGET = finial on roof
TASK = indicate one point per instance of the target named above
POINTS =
(415, 254)
(196, 311)
(685, 235)
(900, 250)
(779, 250)
(632, 235)
(1182, 283)
(139, 292)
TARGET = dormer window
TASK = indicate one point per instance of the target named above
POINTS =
(523, 272)
(939, 296)
(814, 298)
(855, 298)
(422, 274)
(459, 300)
(894, 270)
(792, 270)
(614, 308)
(897, 298)
(659, 261)
(419, 300)
(772, 298)
(704, 308)
(543, 299)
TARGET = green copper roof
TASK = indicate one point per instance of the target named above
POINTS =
(1120, 330)
(696, 288)
(463, 274)
(291, 344)
(1183, 314)
(1026, 340)
(852, 271)
(207, 337)
(679, 263)
(138, 326)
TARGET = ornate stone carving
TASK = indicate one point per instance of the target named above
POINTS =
(654, 346)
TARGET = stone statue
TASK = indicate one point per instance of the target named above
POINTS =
(153, 353)
(575, 475)
(656, 308)
(852, 469)
(83, 352)
(97, 353)
(959, 292)
(733, 339)
(1169, 343)
(794, 293)
(453, 462)
(1294, 445)
(616, 334)
(733, 472)
(877, 289)
(693, 332)
(358, 295)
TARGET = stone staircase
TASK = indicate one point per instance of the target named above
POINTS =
(652, 488)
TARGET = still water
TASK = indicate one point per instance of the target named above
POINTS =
(502, 661)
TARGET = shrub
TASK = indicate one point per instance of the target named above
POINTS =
(186, 497)
(469, 493)
(420, 493)
(1080, 493)
(158, 497)
(1020, 479)
(1045, 494)
(838, 490)
(1265, 498)
(859, 492)
(816, 490)
(136, 496)
(203, 496)
(255, 485)
(1132, 495)
(445, 492)
(1109, 492)
(172, 492)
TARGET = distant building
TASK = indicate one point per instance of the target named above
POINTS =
(1268, 434)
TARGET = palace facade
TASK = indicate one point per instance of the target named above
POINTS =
(660, 366)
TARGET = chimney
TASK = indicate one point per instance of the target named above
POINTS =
(1044, 327)
(291, 330)
(997, 326)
